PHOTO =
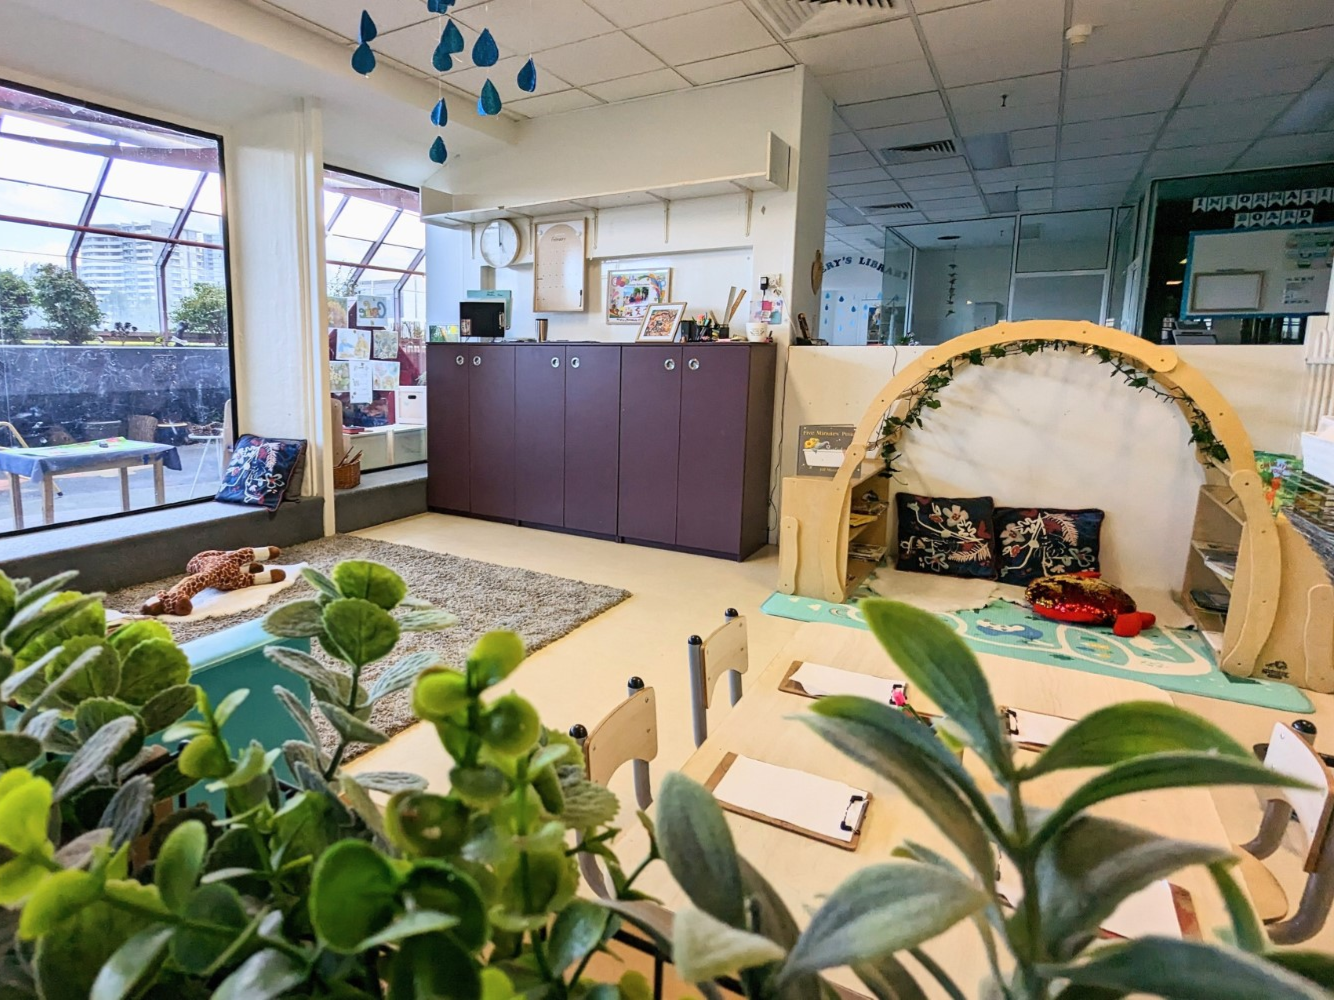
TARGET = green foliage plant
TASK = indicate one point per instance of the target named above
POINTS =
(204, 310)
(15, 303)
(67, 301)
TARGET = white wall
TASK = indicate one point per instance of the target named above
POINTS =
(850, 291)
(1055, 430)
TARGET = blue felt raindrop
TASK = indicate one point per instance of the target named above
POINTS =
(439, 154)
(451, 38)
(489, 102)
(440, 114)
(438, 6)
(484, 51)
(441, 59)
(368, 30)
(528, 77)
(363, 59)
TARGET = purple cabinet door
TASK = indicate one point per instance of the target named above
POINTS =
(447, 471)
(539, 434)
(491, 429)
(650, 434)
(592, 437)
(714, 383)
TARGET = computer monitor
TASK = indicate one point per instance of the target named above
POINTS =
(482, 319)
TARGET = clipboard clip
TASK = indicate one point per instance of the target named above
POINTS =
(1011, 718)
(853, 801)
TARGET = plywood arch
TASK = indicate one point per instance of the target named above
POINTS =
(1255, 595)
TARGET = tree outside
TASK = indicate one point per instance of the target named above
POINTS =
(204, 311)
(69, 304)
(15, 303)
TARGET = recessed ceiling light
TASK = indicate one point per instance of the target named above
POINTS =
(1177, 282)
(947, 238)
(1182, 260)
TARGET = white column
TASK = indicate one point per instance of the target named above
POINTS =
(275, 180)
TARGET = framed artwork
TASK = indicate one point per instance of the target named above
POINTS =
(353, 345)
(384, 345)
(630, 293)
(660, 323)
(340, 376)
(384, 375)
(374, 310)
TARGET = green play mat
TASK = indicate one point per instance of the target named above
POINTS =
(1173, 659)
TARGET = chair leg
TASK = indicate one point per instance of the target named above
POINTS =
(1273, 825)
(734, 683)
(643, 787)
(698, 700)
(1313, 910)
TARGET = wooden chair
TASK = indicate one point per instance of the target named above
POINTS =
(14, 434)
(627, 734)
(723, 652)
(1289, 753)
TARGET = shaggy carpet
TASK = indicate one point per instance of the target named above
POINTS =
(539, 607)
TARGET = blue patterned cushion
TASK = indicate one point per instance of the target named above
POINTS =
(1033, 542)
(950, 536)
(261, 470)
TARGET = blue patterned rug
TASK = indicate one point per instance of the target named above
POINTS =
(1173, 659)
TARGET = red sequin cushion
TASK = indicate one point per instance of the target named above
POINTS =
(1080, 598)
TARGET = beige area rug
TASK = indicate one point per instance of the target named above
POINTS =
(539, 607)
(935, 593)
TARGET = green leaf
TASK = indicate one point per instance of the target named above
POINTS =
(888, 979)
(1093, 865)
(697, 846)
(351, 870)
(51, 692)
(130, 963)
(410, 925)
(26, 684)
(880, 910)
(425, 824)
(1133, 729)
(906, 753)
(326, 587)
(438, 885)
(1246, 929)
(58, 898)
(325, 684)
(48, 727)
(71, 958)
(179, 863)
(8, 599)
(402, 674)
(390, 782)
(17, 749)
(25, 595)
(362, 630)
(510, 725)
(440, 693)
(25, 802)
(350, 728)
(480, 786)
(1160, 770)
(1317, 966)
(704, 948)
(250, 765)
(434, 965)
(228, 705)
(200, 951)
(1186, 970)
(128, 811)
(298, 711)
(942, 666)
(43, 625)
(370, 581)
(356, 797)
(577, 931)
(167, 706)
(296, 620)
(204, 757)
(99, 751)
(126, 637)
(265, 975)
(494, 658)
(150, 667)
(97, 675)
(93, 714)
(427, 621)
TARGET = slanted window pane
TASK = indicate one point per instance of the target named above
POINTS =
(392, 256)
(36, 201)
(408, 231)
(21, 160)
(362, 219)
(210, 195)
(344, 250)
(202, 227)
(148, 182)
(134, 216)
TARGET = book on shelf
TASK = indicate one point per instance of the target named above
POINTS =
(856, 519)
(867, 553)
(1217, 601)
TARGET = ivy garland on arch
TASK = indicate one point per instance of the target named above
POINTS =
(923, 394)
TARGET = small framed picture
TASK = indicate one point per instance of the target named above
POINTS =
(661, 322)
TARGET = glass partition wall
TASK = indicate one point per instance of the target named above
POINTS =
(115, 323)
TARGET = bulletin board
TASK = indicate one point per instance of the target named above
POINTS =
(1258, 272)
(559, 266)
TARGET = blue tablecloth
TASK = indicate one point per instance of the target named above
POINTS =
(36, 464)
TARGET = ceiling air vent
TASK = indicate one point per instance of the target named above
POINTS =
(893, 206)
(918, 152)
(802, 18)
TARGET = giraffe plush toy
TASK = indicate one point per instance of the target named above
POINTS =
(221, 570)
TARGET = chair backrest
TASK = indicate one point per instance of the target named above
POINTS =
(1291, 755)
(337, 439)
(725, 651)
(629, 732)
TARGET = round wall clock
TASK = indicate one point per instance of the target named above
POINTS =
(500, 243)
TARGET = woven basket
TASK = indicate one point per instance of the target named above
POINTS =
(347, 476)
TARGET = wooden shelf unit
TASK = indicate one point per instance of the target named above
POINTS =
(809, 493)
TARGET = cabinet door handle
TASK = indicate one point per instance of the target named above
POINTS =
(458, 359)
(693, 364)
(670, 365)
(476, 360)
(555, 362)
(574, 362)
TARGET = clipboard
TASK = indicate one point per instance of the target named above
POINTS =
(850, 845)
(1010, 720)
(790, 686)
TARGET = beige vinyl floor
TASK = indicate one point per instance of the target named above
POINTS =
(582, 676)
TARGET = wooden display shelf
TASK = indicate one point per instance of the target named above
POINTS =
(870, 469)
(858, 571)
(1225, 499)
(1203, 551)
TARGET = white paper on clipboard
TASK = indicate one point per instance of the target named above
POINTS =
(818, 681)
(819, 805)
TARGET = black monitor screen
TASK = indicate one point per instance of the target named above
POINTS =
(481, 319)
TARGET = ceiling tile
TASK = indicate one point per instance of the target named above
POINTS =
(413, 46)
(504, 75)
(1044, 88)
(959, 69)
(1130, 102)
(513, 24)
(885, 186)
(1125, 29)
(1283, 150)
(846, 216)
(968, 190)
(1035, 199)
(925, 6)
(844, 142)
(895, 111)
(1165, 72)
(928, 182)
(1012, 175)
(1188, 162)
(1104, 147)
(1258, 113)
(344, 16)
(905, 135)
(1250, 18)
(1033, 154)
(1113, 128)
(704, 34)
(628, 13)
(1216, 80)
(1007, 119)
(1261, 55)
(897, 218)
(948, 165)
(859, 160)
(837, 126)
(995, 40)
(858, 176)
(1090, 196)
(860, 48)
(737, 65)
(875, 83)
(868, 201)
(658, 81)
(1126, 161)
(606, 57)
(1174, 137)
(1030, 137)
(552, 104)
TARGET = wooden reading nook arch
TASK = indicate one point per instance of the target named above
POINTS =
(1280, 622)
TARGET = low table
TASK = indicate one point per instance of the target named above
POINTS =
(42, 465)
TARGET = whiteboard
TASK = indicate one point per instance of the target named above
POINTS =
(1258, 272)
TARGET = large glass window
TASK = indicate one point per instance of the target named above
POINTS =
(115, 327)
(375, 252)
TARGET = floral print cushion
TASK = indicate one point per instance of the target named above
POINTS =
(1033, 542)
(951, 536)
(261, 471)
